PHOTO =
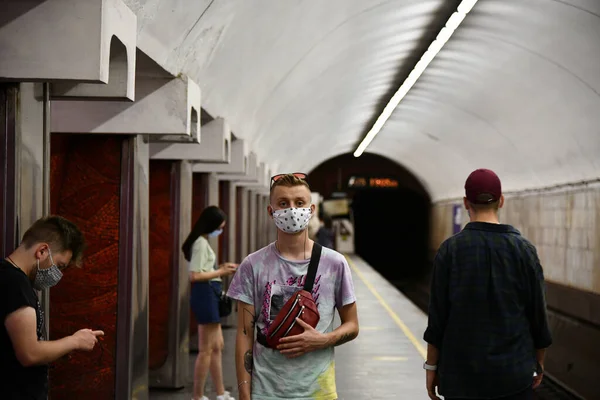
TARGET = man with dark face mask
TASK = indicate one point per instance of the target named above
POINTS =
(48, 247)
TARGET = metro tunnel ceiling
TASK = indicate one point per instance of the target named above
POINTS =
(515, 89)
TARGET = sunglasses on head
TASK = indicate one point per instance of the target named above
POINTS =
(299, 175)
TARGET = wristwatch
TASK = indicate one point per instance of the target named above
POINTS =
(429, 367)
(539, 370)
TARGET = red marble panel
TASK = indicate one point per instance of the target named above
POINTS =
(85, 178)
(161, 251)
(199, 202)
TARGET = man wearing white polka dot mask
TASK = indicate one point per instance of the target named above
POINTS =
(290, 212)
(300, 365)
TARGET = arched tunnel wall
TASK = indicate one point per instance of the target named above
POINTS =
(391, 224)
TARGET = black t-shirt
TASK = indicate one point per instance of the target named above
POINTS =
(16, 381)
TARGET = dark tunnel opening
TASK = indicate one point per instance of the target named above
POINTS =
(392, 232)
(389, 209)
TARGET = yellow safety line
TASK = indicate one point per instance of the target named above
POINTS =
(388, 358)
(385, 305)
(371, 328)
(138, 390)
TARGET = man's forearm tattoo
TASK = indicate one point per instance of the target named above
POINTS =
(248, 325)
(248, 361)
(346, 337)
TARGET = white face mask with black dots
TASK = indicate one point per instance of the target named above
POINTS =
(292, 220)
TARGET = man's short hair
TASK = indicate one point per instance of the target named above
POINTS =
(288, 180)
(60, 234)
(493, 205)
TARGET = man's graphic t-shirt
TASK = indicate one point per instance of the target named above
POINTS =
(267, 280)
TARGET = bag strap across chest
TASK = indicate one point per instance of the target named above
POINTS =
(313, 265)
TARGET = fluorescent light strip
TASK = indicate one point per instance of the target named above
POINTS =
(434, 48)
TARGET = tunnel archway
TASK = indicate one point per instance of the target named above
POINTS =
(391, 220)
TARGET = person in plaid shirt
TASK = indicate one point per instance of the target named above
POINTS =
(488, 329)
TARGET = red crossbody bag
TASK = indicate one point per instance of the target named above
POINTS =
(301, 305)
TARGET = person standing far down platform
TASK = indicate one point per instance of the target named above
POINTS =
(488, 326)
(325, 235)
(288, 293)
(49, 246)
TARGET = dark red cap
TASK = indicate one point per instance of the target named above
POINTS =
(483, 186)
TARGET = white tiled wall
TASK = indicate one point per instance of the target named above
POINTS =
(563, 225)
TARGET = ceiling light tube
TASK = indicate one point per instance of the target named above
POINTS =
(434, 48)
(465, 6)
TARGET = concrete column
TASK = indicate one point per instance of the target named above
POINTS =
(253, 222)
(34, 144)
(132, 324)
(170, 223)
(260, 239)
(245, 223)
(25, 180)
(225, 244)
(227, 200)
(233, 222)
(9, 104)
(181, 345)
(34, 163)
(213, 200)
(239, 209)
(266, 219)
(25, 155)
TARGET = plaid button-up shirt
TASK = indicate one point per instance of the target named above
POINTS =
(487, 312)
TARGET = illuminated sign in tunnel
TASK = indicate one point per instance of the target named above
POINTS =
(358, 182)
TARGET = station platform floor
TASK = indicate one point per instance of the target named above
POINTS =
(384, 362)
